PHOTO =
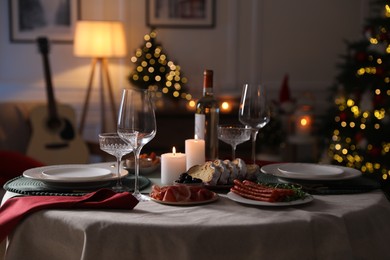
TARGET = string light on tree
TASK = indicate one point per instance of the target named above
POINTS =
(153, 70)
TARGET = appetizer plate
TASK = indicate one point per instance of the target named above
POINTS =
(127, 164)
(310, 170)
(70, 173)
(238, 198)
(347, 173)
(187, 203)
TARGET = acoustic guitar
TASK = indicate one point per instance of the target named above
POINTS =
(54, 139)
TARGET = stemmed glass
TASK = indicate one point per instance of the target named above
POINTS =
(113, 144)
(254, 111)
(234, 135)
(137, 126)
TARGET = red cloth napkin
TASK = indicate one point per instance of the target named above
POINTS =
(14, 209)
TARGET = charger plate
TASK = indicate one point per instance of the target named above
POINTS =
(26, 186)
(310, 170)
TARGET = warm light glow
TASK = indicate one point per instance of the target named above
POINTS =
(99, 39)
(374, 41)
(225, 106)
(304, 121)
(174, 150)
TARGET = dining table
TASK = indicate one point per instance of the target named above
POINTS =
(329, 226)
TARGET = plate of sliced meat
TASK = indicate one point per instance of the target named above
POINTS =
(187, 203)
(182, 195)
(252, 193)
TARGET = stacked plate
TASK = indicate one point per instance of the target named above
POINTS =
(310, 171)
(74, 176)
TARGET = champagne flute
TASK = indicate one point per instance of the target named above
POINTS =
(234, 135)
(137, 126)
(113, 144)
(254, 111)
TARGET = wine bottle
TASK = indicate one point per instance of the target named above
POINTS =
(207, 117)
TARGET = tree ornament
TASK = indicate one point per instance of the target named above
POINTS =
(362, 143)
(343, 116)
(375, 151)
(361, 56)
(366, 101)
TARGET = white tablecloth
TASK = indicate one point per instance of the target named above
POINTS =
(330, 227)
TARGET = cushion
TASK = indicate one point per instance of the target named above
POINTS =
(14, 164)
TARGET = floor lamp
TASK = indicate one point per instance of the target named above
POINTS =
(99, 40)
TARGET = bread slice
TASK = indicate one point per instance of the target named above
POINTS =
(241, 168)
(220, 168)
(233, 171)
(205, 172)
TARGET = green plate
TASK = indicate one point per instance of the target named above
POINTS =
(27, 186)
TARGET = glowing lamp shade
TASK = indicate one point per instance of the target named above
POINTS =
(100, 39)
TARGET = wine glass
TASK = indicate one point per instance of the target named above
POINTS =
(234, 135)
(113, 144)
(254, 111)
(136, 125)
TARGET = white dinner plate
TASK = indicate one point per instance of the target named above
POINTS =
(188, 203)
(348, 173)
(310, 170)
(76, 173)
(50, 176)
(238, 198)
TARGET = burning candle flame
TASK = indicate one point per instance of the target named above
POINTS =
(304, 122)
(174, 151)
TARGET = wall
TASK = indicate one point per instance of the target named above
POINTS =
(254, 40)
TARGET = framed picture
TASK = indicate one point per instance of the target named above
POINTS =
(54, 19)
(180, 13)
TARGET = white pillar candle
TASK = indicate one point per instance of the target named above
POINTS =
(172, 165)
(195, 152)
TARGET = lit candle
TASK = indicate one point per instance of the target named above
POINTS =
(172, 165)
(303, 117)
(303, 125)
(191, 105)
(195, 152)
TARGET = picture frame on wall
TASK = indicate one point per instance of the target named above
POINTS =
(180, 13)
(54, 19)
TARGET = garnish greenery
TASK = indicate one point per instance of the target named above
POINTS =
(299, 194)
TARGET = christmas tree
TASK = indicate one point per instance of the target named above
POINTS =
(154, 71)
(360, 123)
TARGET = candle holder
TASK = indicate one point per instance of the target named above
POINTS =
(303, 121)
